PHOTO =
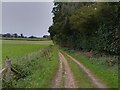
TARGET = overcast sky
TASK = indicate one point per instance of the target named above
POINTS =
(29, 18)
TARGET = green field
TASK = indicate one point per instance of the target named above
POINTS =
(14, 48)
(36, 60)
(26, 39)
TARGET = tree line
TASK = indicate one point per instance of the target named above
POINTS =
(87, 26)
(15, 35)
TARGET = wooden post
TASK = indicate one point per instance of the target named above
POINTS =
(8, 69)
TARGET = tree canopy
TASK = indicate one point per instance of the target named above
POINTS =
(87, 26)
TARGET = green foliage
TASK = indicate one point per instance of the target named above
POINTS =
(87, 26)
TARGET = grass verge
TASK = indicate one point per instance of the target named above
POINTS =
(107, 74)
(40, 69)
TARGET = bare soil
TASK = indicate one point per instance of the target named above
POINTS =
(65, 73)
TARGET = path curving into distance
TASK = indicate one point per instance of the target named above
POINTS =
(94, 79)
(64, 75)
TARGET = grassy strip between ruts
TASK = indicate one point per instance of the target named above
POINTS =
(40, 69)
(63, 78)
(82, 80)
(107, 74)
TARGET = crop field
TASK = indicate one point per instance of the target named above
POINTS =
(13, 48)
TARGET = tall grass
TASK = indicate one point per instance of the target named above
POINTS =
(39, 70)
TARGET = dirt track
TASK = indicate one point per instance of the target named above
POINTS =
(65, 72)
(58, 77)
(64, 75)
(94, 79)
